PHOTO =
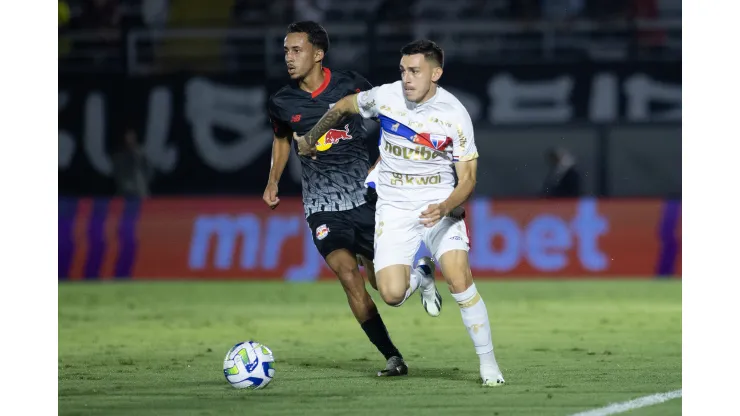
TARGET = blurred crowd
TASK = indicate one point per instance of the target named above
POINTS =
(93, 32)
(110, 15)
(114, 14)
(393, 10)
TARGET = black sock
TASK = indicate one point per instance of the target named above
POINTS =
(375, 330)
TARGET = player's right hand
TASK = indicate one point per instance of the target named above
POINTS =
(270, 195)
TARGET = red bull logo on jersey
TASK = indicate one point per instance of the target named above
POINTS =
(333, 136)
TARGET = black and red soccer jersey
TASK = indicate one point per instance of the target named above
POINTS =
(335, 180)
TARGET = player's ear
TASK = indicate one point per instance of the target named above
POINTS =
(436, 73)
(319, 55)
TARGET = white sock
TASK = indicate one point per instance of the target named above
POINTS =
(475, 319)
(414, 282)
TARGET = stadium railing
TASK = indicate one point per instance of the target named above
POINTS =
(91, 51)
(366, 45)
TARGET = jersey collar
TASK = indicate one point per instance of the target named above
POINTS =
(322, 87)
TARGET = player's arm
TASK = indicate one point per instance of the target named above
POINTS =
(363, 103)
(466, 178)
(280, 155)
(347, 106)
(465, 156)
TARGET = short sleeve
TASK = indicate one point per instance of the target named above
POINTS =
(279, 126)
(463, 141)
(367, 102)
(361, 83)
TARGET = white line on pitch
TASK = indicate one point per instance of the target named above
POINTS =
(615, 408)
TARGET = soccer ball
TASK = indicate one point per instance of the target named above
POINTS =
(249, 365)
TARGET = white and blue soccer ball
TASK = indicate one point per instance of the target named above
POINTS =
(249, 365)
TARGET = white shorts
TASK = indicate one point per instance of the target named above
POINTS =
(399, 233)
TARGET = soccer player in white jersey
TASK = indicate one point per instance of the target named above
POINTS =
(425, 133)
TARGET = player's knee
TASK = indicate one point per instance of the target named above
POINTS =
(351, 280)
(459, 280)
(343, 264)
(393, 282)
(392, 297)
(392, 291)
(459, 285)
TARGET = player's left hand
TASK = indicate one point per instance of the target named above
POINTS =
(433, 214)
(303, 148)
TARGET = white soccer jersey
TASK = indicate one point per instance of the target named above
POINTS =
(418, 142)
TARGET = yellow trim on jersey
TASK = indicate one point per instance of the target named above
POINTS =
(468, 157)
(356, 104)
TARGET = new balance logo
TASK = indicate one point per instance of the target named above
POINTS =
(296, 118)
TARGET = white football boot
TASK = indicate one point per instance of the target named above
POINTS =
(491, 376)
(430, 298)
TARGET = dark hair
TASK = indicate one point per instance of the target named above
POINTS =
(429, 49)
(317, 35)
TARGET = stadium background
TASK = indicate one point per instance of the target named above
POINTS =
(188, 81)
(164, 152)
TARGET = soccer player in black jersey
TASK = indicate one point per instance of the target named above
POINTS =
(338, 209)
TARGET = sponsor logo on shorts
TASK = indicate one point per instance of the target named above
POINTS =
(400, 179)
(322, 231)
(456, 237)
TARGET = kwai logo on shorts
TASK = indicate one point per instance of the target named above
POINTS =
(322, 231)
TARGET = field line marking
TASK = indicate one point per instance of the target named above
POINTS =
(622, 407)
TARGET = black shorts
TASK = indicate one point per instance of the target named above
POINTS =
(352, 229)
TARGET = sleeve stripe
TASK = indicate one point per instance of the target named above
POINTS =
(355, 103)
(466, 158)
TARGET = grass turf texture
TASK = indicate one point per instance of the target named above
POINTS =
(157, 348)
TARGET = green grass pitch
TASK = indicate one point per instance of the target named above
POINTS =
(147, 348)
